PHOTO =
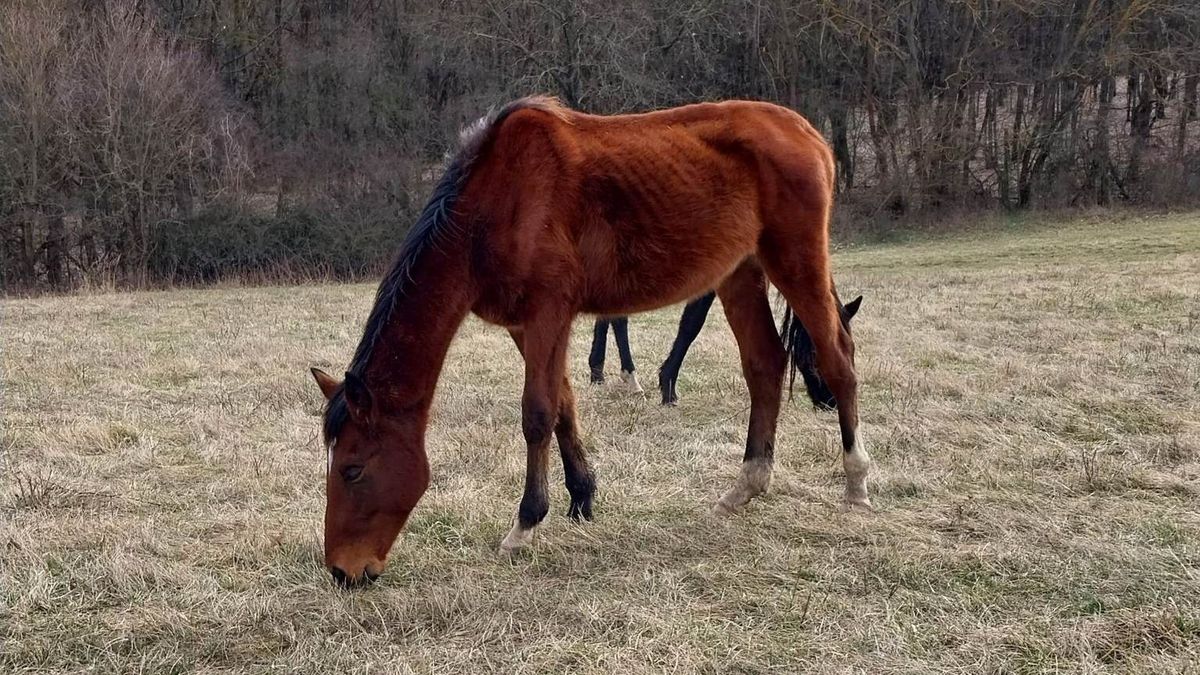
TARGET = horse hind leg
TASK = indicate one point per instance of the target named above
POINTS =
(628, 370)
(744, 297)
(799, 268)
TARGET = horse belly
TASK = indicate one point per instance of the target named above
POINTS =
(647, 263)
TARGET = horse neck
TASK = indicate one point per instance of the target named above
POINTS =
(407, 358)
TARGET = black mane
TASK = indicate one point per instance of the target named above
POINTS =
(434, 218)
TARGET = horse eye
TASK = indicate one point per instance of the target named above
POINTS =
(352, 474)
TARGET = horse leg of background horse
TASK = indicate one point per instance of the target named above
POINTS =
(580, 478)
(544, 340)
(596, 357)
(690, 323)
(744, 297)
(799, 268)
(628, 371)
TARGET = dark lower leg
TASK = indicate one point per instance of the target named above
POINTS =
(621, 335)
(856, 461)
(690, 323)
(596, 357)
(537, 421)
(628, 374)
(580, 480)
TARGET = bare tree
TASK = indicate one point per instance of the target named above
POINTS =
(119, 130)
(32, 47)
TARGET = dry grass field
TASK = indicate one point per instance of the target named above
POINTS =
(1033, 402)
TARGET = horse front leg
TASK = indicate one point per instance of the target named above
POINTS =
(690, 323)
(545, 348)
(577, 471)
(596, 356)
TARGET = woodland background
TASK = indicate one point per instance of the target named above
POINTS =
(186, 141)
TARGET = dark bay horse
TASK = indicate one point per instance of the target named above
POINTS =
(545, 213)
(690, 323)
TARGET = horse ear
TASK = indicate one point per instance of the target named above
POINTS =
(851, 308)
(358, 398)
(326, 382)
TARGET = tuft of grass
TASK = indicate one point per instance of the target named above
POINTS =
(31, 491)
(1031, 397)
(1124, 637)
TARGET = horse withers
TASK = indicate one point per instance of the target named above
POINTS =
(545, 213)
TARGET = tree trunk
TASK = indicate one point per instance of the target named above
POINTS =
(877, 144)
(841, 145)
(1101, 165)
(1141, 118)
(56, 247)
(1190, 85)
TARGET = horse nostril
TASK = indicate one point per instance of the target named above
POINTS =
(340, 577)
(346, 581)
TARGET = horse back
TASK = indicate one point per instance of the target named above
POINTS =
(627, 213)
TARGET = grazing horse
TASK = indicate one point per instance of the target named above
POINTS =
(545, 213)
(690, 323)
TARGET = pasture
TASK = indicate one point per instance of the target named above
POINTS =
(1031, 398)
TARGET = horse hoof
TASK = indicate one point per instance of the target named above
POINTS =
(516, 540)
(580, 511)
(857, 505)
(722, 510)
(631, 382)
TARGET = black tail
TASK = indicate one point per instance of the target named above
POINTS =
(803, 358)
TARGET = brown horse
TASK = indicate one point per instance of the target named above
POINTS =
(546, 213)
